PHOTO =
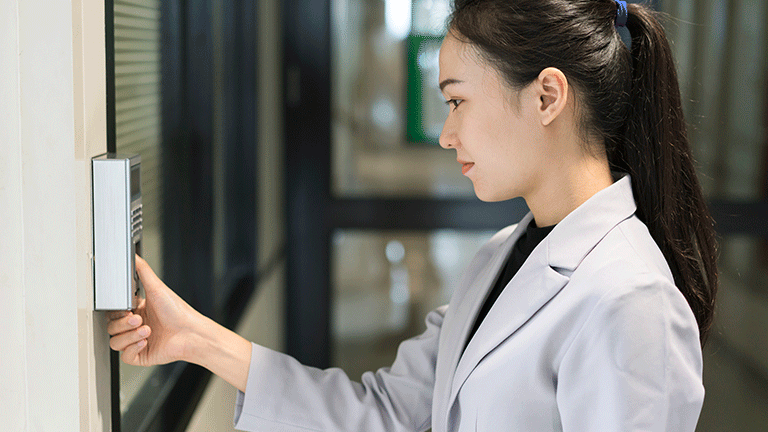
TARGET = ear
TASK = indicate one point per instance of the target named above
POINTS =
(552, 89)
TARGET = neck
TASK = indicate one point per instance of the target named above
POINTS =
(566, 186)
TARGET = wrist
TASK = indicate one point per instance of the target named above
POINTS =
(201, 340)
(220, 350)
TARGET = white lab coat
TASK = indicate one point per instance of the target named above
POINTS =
(590, 335)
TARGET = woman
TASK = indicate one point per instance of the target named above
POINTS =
(588, 315)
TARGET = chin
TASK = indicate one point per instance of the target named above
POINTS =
(492, 196)
(488, 199)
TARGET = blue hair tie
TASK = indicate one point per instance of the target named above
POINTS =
(621, 13)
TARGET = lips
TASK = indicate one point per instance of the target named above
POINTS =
(466, 166)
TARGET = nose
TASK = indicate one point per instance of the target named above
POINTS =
(448, 137)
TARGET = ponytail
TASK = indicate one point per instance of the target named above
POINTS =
(630, 100)
(654, 150)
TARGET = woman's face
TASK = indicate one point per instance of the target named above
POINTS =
(493, 128)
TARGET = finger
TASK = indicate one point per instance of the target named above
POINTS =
(123, 340)
(124, 324)
(145, 272)
(113, 315)
(131, 353)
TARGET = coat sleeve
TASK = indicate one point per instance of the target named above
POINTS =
(284, 395)
(635, 365)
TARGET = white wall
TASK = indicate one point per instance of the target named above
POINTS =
(54, 371)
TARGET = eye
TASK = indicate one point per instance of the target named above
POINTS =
(454, 102)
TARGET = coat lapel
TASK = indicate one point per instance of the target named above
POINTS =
(531, 287)
(461, 317)
(473, 299)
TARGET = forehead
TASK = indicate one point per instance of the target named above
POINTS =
(459, 60)
(452, 53)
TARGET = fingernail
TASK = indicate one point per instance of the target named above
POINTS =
(142, 343)
(143, 331)
(134, 320)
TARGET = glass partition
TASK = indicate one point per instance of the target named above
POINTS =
(138, 131)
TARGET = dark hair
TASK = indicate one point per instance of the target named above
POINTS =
(629, 100)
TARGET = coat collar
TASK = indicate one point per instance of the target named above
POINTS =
(545, 272)
(579, 232)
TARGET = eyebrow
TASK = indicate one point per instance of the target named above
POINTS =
(448, 82)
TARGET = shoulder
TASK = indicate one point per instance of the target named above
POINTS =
(632, 307)
(633, 347)
(626, 261)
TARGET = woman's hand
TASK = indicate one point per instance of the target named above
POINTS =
(160, 330)
(164, 328)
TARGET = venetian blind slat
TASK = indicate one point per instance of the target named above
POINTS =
(129, 116)
(145, 136)
(128, 45)
(136, 68)
(137, 80)
(130, 34)
(136, 102)
(124, 22)
(128, 92)
(149, 4)
(137, 57)
(149, 124)
(133, 11)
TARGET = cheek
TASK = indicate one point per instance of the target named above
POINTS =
(497, 125)
(510, 157)
(483, 131)
(501, 142)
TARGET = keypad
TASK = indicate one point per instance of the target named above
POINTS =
(137, 221)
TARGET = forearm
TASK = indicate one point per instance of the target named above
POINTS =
(222, 351)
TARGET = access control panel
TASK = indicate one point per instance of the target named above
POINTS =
(117, 229)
